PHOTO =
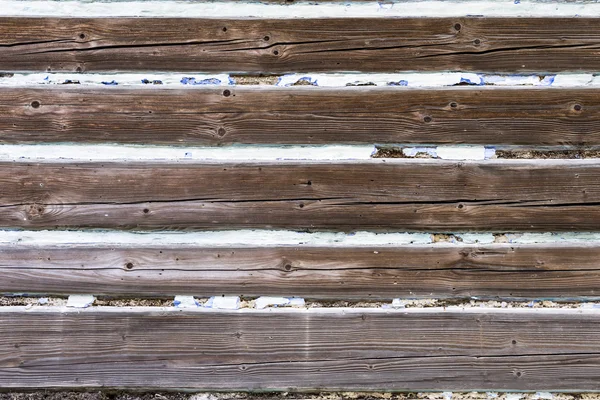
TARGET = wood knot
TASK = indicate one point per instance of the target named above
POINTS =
(457, 27)
(36, 210)
(36, 104)
(221, 132)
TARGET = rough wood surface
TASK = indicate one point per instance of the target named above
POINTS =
(542, 195)
(558, 271)
(202, 116)
(347, 349)
(298, 45)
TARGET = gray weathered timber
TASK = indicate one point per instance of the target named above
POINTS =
(354, 115)
(425, 195)
(505, 271)
(300, 45)
(349, 349)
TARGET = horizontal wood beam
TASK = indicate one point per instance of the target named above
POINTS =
(428, 195)
(203, 116)
(315, 349)
(498, 271)
(300, 45)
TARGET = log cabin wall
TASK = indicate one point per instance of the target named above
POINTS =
(202, 195)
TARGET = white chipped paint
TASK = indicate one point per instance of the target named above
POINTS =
(489, 152)
(551, 237)
(543, 395)
(461, 152)
(80, 300)
(223, 303)
(414, 151)
(43, 300)
(84, 152)
(568, 80)
(204, 396)
(452, 152)
(477, 238)
(241, 238)
(398, 303)
(302, 9)
(520, 80)
(269, 301)
(589, 305)
(297, 302)
(514, 396)
(266, 301)
(185, 302)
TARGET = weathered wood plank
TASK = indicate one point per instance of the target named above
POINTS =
(298, 45)
(499, 271)
(296, 116)
(489, 349)
(542, 195)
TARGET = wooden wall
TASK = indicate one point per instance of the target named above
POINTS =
(472, 203)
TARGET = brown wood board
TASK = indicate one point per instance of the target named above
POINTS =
(433, 195)
(498, 271)
(300, 45)
(317, 349)
(218, 116)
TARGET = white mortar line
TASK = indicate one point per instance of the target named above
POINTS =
(283, 238)
(243, 238)
(150, 79)
(434, 79)
(91, 152)
(84, 153)
(302, 9)
(312, 310)
(252, 154)
(400, 80)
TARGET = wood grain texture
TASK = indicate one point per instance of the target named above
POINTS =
(300, 45)
(202, 116)
(323, 349)
(499, 271)
(542, 195)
